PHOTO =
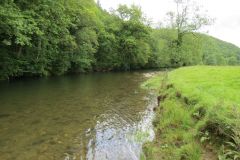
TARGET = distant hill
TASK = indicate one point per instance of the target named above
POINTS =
(197, 49)
(216, 51)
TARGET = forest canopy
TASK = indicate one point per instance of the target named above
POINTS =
(49, 37)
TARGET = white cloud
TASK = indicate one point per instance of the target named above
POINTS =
(226, 12)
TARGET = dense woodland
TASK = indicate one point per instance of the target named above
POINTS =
(49, 37)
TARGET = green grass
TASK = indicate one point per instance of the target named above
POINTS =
(210, 85)
(200, 119)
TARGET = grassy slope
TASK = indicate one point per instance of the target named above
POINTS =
(200, 114)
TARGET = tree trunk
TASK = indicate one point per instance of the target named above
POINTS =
(39, 47)
(19, 52)
(179, 39)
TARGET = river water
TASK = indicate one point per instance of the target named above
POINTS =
(102, 116)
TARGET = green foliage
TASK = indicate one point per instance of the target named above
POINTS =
(40, 38)
(107, 57)
(233, 146)
(196, 49)
(217, 52)
(133, 35)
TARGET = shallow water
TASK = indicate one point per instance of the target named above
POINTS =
(96, 117)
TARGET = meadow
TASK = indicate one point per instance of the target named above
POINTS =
(199, 114)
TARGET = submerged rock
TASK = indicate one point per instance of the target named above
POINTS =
(4, 115)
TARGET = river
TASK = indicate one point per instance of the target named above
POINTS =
(101, 116)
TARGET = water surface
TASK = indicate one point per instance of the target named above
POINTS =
(103, 116)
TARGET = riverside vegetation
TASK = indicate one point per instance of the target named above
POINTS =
(45, 37)
(200, 118)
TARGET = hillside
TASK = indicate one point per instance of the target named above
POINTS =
(218, 52)
(197, 49)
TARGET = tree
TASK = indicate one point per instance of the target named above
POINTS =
(188, 18)
(133, 37)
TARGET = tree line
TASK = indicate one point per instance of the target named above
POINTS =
(49, 37)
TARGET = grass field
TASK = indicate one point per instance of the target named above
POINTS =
(200, 118)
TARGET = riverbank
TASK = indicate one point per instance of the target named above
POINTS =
(200, 116)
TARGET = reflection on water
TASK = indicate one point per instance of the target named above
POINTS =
(95, 117)
(118, 137)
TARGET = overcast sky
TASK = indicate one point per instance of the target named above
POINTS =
(226, 13)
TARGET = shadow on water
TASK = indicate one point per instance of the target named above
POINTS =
(96, 117)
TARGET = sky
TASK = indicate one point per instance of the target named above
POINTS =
(225, 12)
